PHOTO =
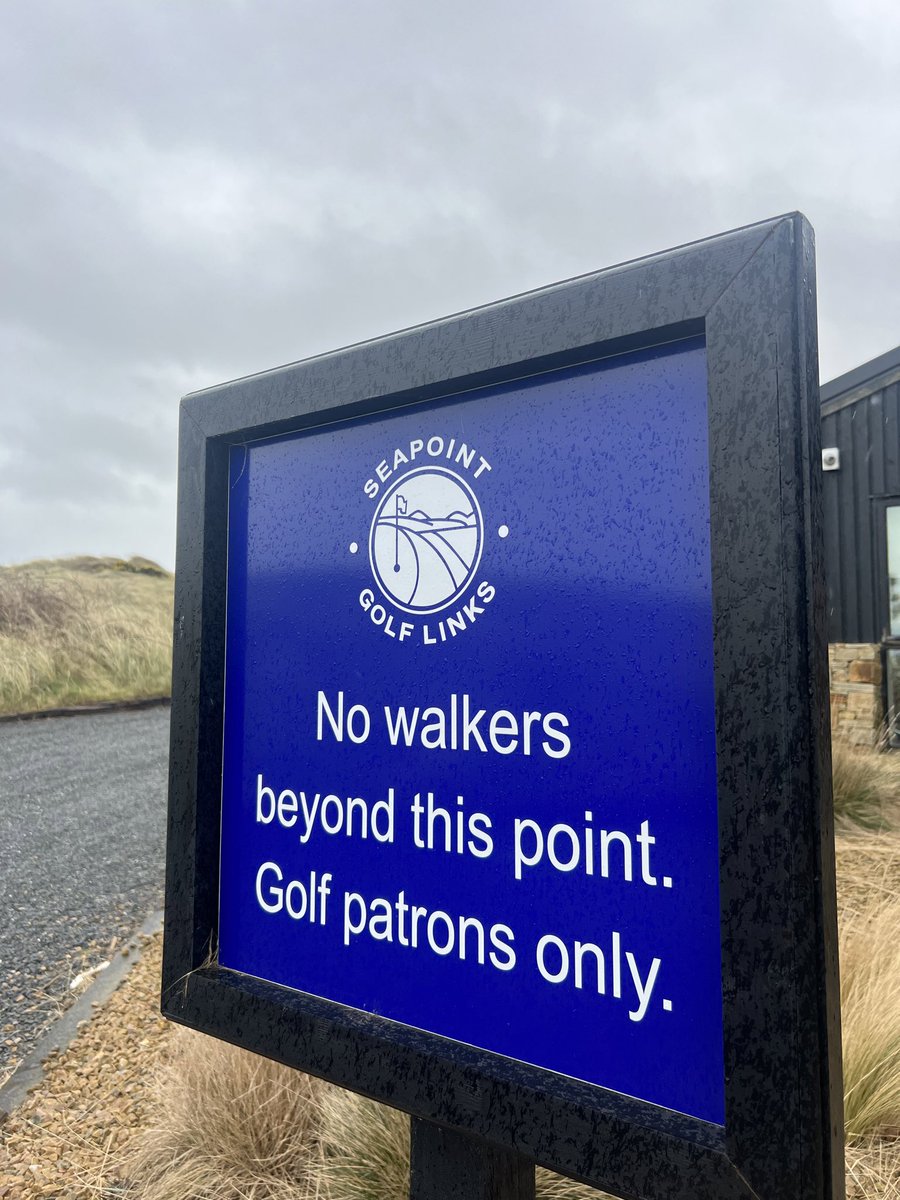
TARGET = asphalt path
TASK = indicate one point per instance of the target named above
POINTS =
(82, 830)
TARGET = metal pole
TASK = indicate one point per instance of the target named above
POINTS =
(446, 1165)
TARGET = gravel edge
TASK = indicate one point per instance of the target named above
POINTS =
(80, 709)
(30, 1072)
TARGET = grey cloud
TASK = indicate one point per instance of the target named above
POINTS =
(190, 192)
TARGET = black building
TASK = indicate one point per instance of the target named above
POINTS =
(861, 466)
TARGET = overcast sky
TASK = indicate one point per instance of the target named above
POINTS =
(192, 190)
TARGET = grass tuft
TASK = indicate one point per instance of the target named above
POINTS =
(365, 1149)
(870, 1018)
(234, 1127)
(83, 631)
(862, 787)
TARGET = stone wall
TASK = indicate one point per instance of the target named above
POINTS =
(857, 709)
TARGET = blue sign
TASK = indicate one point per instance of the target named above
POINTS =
(469, 774)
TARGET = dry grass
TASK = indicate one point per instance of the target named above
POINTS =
(870, 1014)
(873, 1169)
(868, 872)
(865, 786)
(555, 1187)
(234, 1127)
(365, 1149)
(81, 631)
(868, 868)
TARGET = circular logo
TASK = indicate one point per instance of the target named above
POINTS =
(426, 539)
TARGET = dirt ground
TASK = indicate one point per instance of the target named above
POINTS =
(71, 1138)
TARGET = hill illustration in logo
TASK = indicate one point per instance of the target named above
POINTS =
(421, 559)
(454, 520)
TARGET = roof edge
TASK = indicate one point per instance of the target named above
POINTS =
(859, 376)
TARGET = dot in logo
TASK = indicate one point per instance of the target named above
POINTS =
(426, 540)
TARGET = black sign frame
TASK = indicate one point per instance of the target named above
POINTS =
(751, 294)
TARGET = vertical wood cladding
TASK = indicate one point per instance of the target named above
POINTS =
(867, 434)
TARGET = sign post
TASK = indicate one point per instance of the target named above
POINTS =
(447, 1165)
(499, 784)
